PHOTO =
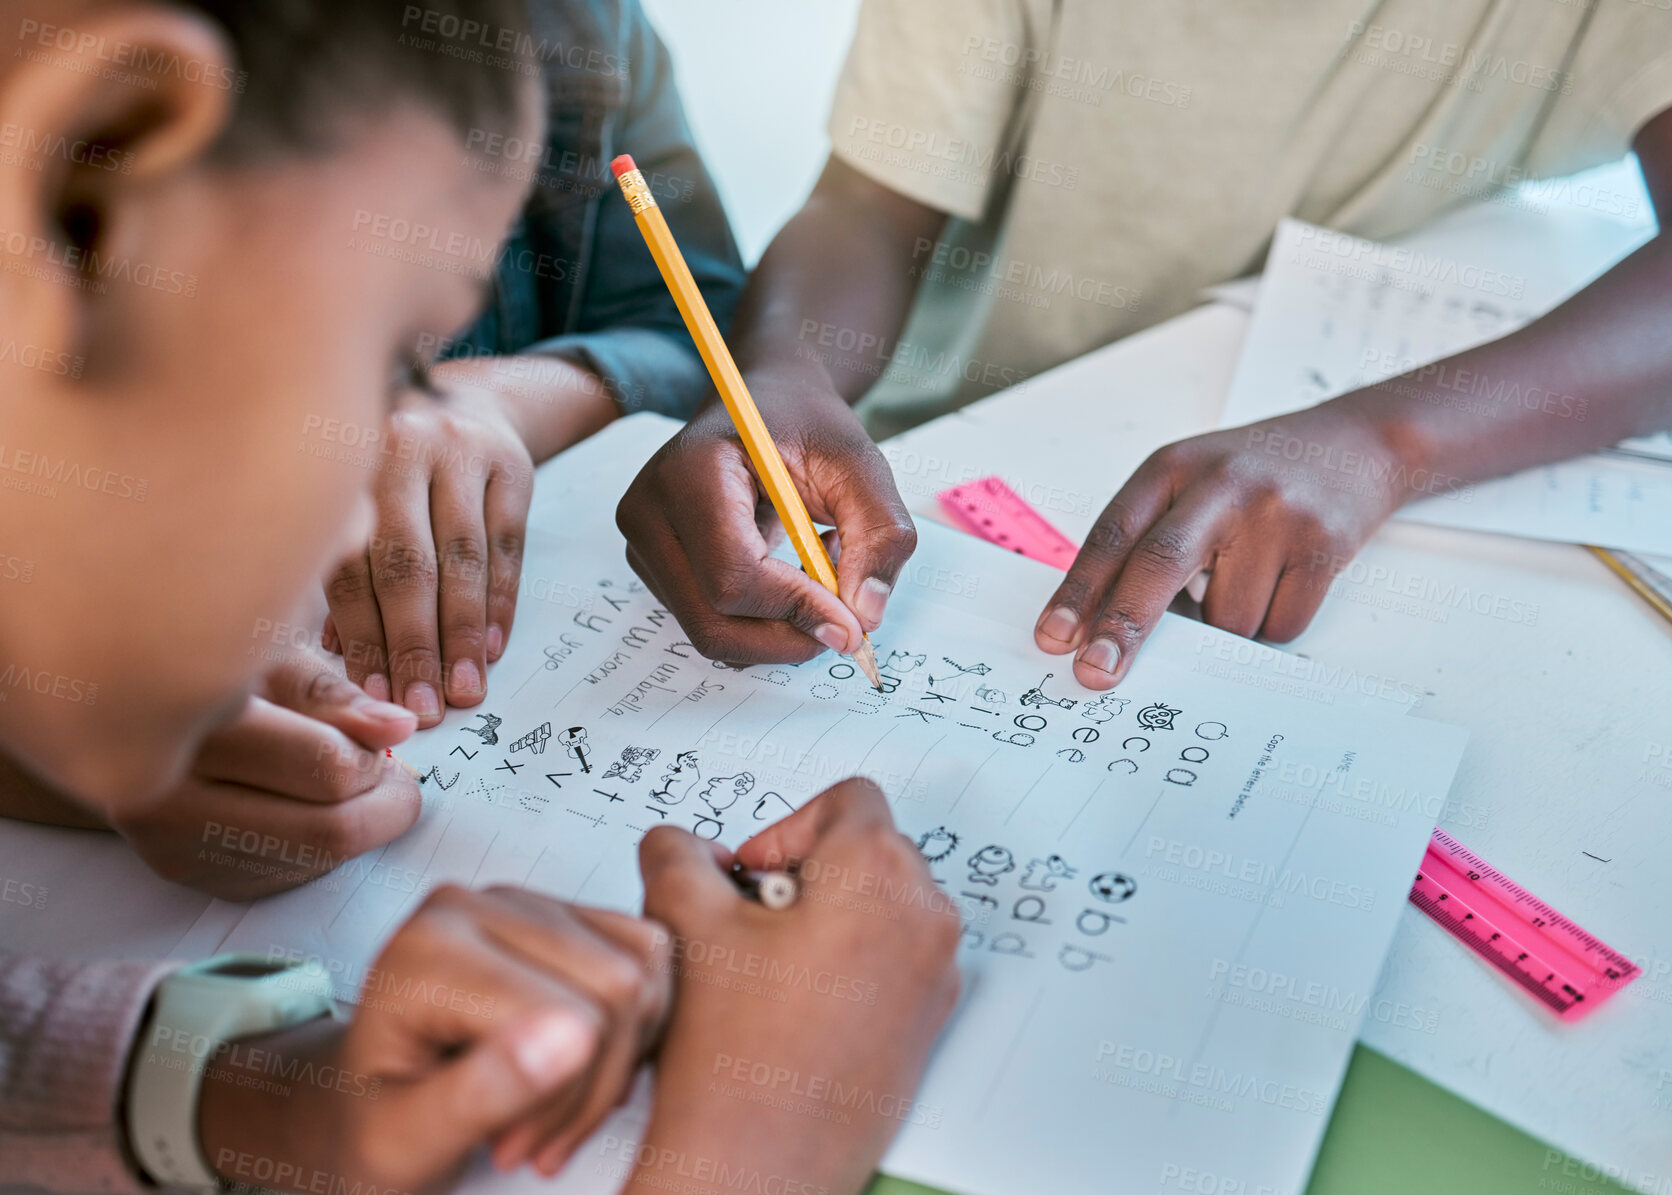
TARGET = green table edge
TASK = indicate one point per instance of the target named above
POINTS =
(1395, 1133)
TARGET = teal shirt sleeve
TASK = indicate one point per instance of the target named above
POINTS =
(626, 327)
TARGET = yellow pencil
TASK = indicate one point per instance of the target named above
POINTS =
(757, 441)
(405, 767)
(1631, 571)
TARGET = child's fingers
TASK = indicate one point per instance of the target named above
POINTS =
(313, 688)
(1300, 591)
(505, 509)
(625, 968)
(592, 951)
(610, 966)
(476, 947)
(1139, 503)
(853, 805)
(1240, 590)
(491, 1084)
(240, 843)
(359, 625)
(657, 557)
(289, 754)
(711, 511)
(461, 541)
(856, 487)
(404, 576)
(682, 877)
(1160, 564)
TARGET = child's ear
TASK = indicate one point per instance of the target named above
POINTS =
(104, 110)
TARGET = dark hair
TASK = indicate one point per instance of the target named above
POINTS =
(301, 63)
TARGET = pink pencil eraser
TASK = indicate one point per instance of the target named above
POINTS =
(622, 165)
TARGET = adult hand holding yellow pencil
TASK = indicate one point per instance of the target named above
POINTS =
(774, 477)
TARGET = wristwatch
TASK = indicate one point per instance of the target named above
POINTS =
(194, 1012)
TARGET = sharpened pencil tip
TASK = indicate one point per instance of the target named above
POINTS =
(389, 752)
(866, 658)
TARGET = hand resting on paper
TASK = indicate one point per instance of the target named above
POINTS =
(1274, 510)
(292, 786)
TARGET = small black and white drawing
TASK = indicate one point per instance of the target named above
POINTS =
(1211, 731)
(1036, 697)
(1157, 717)
(989, 863)
(991, 696)
(677, 782)
(1105, 709)
(723, 792)
(972, 670)
(935, 845)
(535, 740)
(899, 661)
(632, 763)
(1042, 874)
(573, 741)
(1111, 887)
(488, 732)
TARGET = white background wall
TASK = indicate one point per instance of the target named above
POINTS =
(757, 77)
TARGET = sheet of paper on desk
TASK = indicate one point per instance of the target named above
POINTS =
(1336, 312)
(1179, 896)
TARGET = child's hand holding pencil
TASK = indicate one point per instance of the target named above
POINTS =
(698, 530)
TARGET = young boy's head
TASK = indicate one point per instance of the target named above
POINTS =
(225, 227)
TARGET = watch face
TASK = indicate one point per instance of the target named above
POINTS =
(246, 968)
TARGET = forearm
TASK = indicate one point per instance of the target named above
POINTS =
(704, 1154)
(252, 1126)
(831, 295)
(1592, 372)
(550, 402)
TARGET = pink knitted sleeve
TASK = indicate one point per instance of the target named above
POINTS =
(65, 1031)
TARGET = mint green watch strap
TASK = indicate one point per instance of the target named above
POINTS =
(195, 1011)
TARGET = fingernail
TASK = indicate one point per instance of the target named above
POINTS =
(1101, 655)
(871, 600)
(832, 636)
(421, 700)
(384, 711)
(1060, 624)
(551, 1049)
(496, 642)
(466, 677)
(377, 687)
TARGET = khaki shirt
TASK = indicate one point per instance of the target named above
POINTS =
(1100, 171)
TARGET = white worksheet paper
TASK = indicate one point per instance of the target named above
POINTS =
(1178, 897)
(1337, 312)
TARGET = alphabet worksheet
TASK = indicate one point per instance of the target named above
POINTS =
(1177, 896)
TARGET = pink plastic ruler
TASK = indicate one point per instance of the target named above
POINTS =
(1555, 961)
(998, 514)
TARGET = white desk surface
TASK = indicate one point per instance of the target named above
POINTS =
(1570, 720)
